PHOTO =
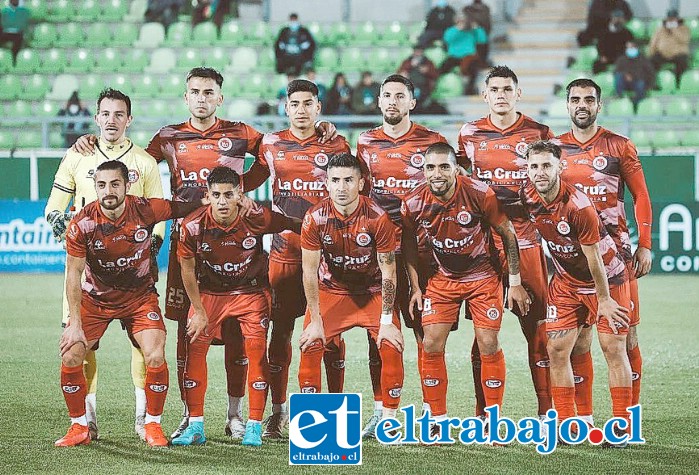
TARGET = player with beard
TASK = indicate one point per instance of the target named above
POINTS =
(394, 154)
(603, 164)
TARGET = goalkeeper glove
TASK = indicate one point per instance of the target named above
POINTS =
(59, 223)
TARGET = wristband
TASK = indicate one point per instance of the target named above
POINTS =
(515, 280)
(386, 318)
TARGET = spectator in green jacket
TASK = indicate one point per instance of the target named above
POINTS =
(14, 22)
(463, 41)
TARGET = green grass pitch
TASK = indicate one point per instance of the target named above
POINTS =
(34, 413)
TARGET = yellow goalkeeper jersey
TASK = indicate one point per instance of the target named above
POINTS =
(75, 176)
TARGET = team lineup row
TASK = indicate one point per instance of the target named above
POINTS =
(399, 230)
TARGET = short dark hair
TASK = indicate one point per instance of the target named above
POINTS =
(301, 85)
(401, 79)
(114, 165)
(293, 16)
(114, 94)
(344, 160)
(583, 82)
(223, 175)
(501, 72)
(442, 148)
(543, 146)
(206, 73)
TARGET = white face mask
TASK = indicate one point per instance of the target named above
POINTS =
(671, 24)
(74, 108)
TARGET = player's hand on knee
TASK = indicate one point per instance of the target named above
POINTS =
(197, 326)
(392, 335)
(59, 224)
(616, 315)
(312, 333)
(72, 334)
(85, 145)
(517, 295)
(415, 301)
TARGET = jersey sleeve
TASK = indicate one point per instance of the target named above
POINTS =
(63, 188)
(385, 234)
(491, 208)
(587, 222)
(309, 234)
(75, 239)
(464, 151)
(155, 148)
(632, 174)
(258, 172)
(187, 246)
(162, 209)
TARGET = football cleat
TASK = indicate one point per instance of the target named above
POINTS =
(181, 428)
(253, 434)
(369, 431)
(77, 434)
(235, 428)
(192, 435)
(92, 427)
(275, 424)
(154, 435)
(622, 445)
(139, 427)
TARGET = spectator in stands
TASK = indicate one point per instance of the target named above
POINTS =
(421, 72)
(633, 72)
(72, 130)
(14, 22)
(163, 11)
(462, 42)
(480, 13)
(598, 17)
(611, 43)
(212, 10)
(322, 90)
(438, 20)
(294, 47)
(365, 95)
(670, 44)
(339, 99)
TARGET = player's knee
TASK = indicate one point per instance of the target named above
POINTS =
(487, 342)
(559, 352)
(432, 345)
(74, 356)
(613, 347)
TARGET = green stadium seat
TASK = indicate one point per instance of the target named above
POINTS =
(98, 34)
(218, 58)
(640, 137)
(606, 82)
(121, 82)
(690, 138)
(326, 59)
(637, 28)
(56, 139)
(666, 81)
(38, 9)
(241, 108)
(415, 30)
(10, 87)
(586, 57)
(136, 61)
(188, 59)
(365, 34)
(665, 139)
(338, 34)
(125, 34)
(266, 61)
(70, 34)
(159, 108)
(318, 33)
(115, 9)
(353, 59)
(7, 140)
(108, 61)
(88, 11)
(558, 108)
(178, 34)
(679, 107)
(36, 88)
(232, 34)
(204, 34)
(173, 86)
(29, 139)
(651, 28)
(381, 59)
(619, 107)
(394, 35)
(90, 87)
(21, 109)
(140, 138)
(81, 61)
(256, 86)
(53, 62)
(650, 107)
(693, 25)
(61, 11)
(5, 60)
(146, 87)
(260, 34)
(48, 109)
(151, 35)
(27, 62)
(44, 35)
(449, 85)
(436, 55)
(63, 87)
(689, 83)
(162, 61)
(244, 60)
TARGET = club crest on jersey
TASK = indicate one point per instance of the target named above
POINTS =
(521, 148)
(249, 242)
(374, 158)
(563, 228)
(327, 240)
(321, 159)
(225, 144)
(133, 176)
(99, 245)
(280, 155)
(493, 313)
(599, 163)
(264, 323)
(140, 235)
(483, 145)
(153, 316)
(363, 239)
(417, 160)
(463, 218)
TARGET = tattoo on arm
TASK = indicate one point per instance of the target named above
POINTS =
(388, 295)
(559, 333)
(509, 239)
(387, 257)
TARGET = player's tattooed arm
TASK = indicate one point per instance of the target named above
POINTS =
(509, 239)
(387, 264)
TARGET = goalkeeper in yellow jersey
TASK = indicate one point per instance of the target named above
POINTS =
(74, 180)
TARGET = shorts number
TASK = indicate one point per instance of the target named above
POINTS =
(551, 313)
(426, 305)
(175, 296)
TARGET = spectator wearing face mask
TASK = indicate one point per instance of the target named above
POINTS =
(294, 48)
(72, 130)
(633, 72)
(438, 20)
(598, 18)
(611, 42)
(670, 44)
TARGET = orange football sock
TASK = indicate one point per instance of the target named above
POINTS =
(157, 380)
(539, 366)
(236, 360)
(258, 377)
(477, 384)
(435, 382)
(375, 368)
(334, 360)
(621, 399)
(391, 375)
(493, 377)
(564, 401)
(74, 389)
(309, 368)
(636, 371)
(279, 361)
(182, 342)
(584, 375)
(196, 377)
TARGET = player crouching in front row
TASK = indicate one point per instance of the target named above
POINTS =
(224, 271)
(109, 239)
